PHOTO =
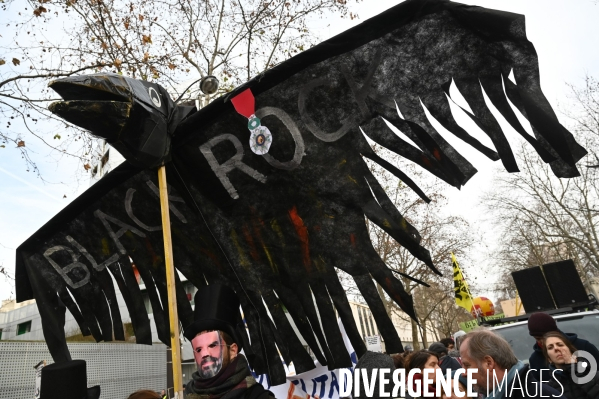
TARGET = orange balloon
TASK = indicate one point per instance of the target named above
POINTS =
(482, 307)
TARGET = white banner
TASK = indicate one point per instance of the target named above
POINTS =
(320, 381)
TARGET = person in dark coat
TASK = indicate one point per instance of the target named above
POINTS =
(445, 362)
(558, 351)
(540, 324)
(499, 374)
(223, 372)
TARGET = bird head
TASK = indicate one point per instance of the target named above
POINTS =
(136, 117)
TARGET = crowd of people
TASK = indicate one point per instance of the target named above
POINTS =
(552, 370)
(556, 367)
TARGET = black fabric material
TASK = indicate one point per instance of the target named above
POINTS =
(136, 117)
(67, 380)
(257, 392)
(216, 308)
(563, 381)
(276, 227)
(538, 362)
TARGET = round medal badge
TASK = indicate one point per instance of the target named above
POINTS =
(260, 140)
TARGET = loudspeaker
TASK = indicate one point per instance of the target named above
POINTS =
(565, 284)
(533, 290)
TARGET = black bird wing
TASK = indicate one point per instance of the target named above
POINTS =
(274, 227)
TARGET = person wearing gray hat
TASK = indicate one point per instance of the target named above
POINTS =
(372, 361)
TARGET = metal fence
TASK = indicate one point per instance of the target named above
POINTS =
(118, 368)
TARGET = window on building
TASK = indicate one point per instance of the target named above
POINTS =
(361, 321)
(365, 311)
(24, 328)
(374, 332)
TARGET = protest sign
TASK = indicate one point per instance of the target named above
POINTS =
(320, 381)
(373, 343)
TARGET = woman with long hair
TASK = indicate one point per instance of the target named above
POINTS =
(558, 351)
(422, 360)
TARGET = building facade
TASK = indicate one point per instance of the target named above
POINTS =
(109, 160)
(119, 368)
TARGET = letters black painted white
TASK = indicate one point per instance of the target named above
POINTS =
(235, 162)
(112, 259)
(75, 264)
(104, 218)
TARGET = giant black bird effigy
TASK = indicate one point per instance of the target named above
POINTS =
(269, 186)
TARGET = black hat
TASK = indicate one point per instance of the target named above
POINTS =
(438, 347)
(67, 380)
(541, 323)
(216, 308)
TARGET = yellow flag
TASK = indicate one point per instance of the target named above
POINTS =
(462, 293)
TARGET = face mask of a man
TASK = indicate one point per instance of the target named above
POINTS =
(210, 353)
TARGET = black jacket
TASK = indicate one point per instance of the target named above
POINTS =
(449, 363)
(256, 391)
(537, 359)
(562, 380)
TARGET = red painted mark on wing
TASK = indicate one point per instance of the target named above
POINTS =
(302, 232)
(155, 258)
(256, 224)
(426, 161)
(396, 295)
(437, 154)
(250, 240)
(136, 273)
(352, 239)
(212, 256)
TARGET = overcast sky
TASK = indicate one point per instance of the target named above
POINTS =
(564, 34)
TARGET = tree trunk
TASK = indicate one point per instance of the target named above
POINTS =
(436, 332)
(424, 335)
(415, 338)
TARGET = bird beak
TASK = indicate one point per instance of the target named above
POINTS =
(101, 104)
